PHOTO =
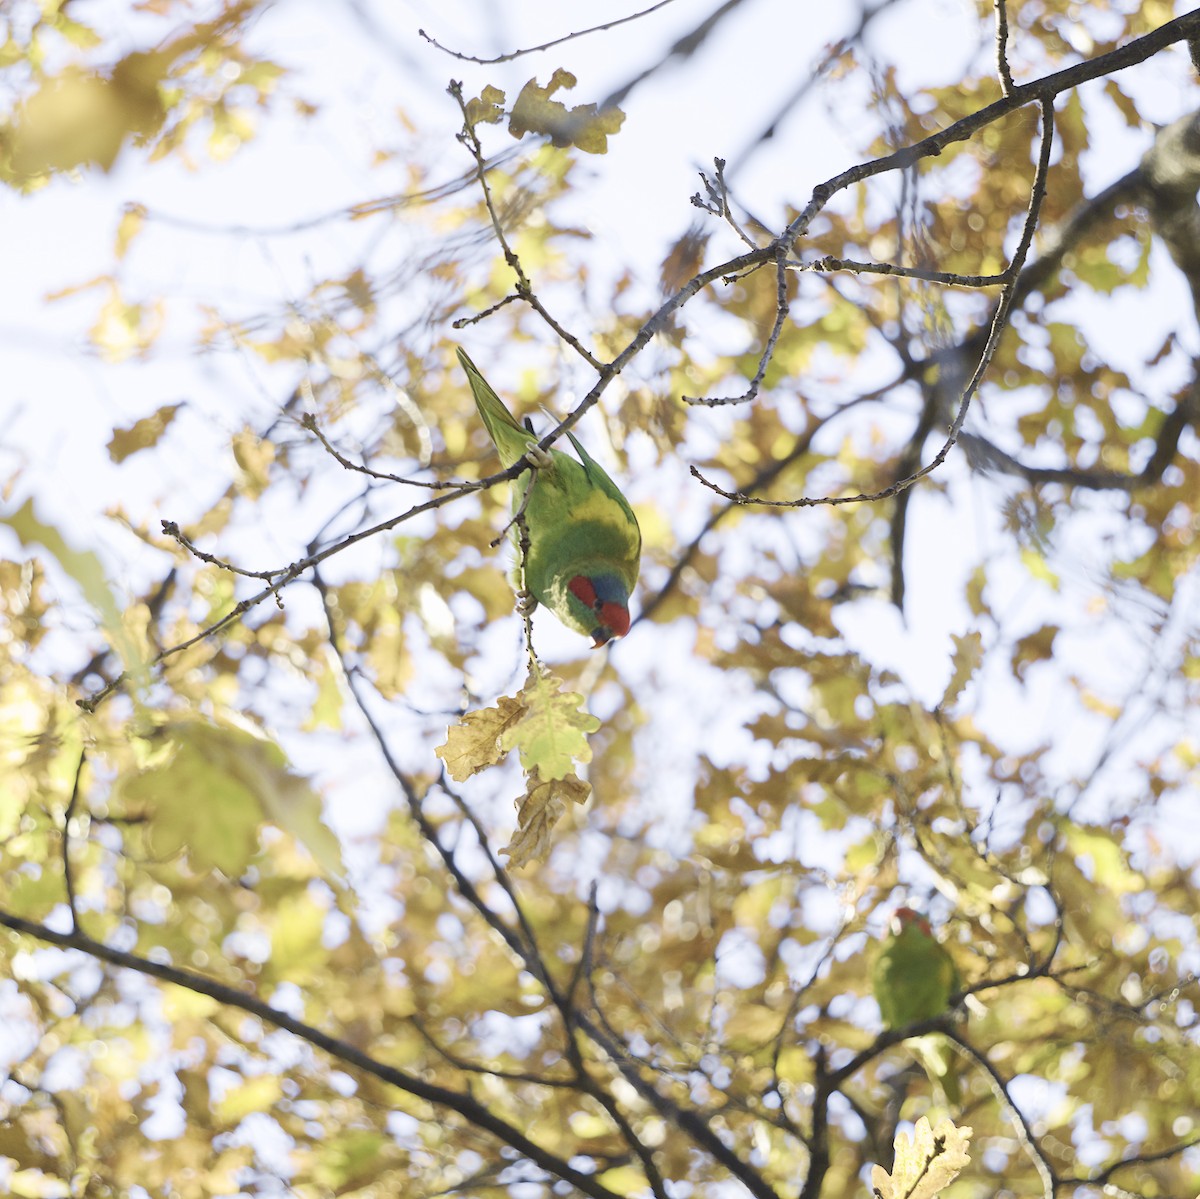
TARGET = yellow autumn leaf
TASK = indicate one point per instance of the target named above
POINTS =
(538, 811)
(584, 126)
(214, 786)
(925, 1164)
(251, 1095)
(88, 571)
(488, 108)
(1037, 646)
(623, 1180)
(968, 653)
(551, 733)
(142, 434)
(473, 744)
(752, 1026)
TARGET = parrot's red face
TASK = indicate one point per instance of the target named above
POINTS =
(903, 918)
(604, 596)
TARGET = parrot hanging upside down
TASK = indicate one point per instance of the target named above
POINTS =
(584, 541)
(913, 980)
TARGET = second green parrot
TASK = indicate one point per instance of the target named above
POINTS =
(584, 541)
(913, 980)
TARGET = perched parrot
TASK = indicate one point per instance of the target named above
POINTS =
(584, 541)
(913, 980)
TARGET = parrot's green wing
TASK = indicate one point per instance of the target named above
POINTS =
(512, 440)
(913, 980)
(584, 542)
(598, 477)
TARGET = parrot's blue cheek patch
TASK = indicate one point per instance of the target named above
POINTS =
(605, 596)
(609, 590)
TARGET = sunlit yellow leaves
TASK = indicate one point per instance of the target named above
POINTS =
(976, 591)
(722, 954)
(370, 617)
(207, 789)
(81, 118)
(255, 1094)
(348, 1158)
(488, 108)
(231, 128)
(326, 710)
(551, 734)
(968, 653)
(297, 950)
(1103, 859)
(546, 726)
(255, 456)
(1036, 564)
(925, 1163)
(36, 1184)
(1153, 569)
(132, 221)
(473, 744)
(183, 1006)
(87, 570)
(124, 329)
(142, 434)
(623, 1180)
(863, 855)
(196, 806)
(752, 907)
(549, 730)
(751, 1027)
(1037, 646)
(584, 126)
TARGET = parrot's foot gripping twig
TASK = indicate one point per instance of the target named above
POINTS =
(526, 600)
(537, 457)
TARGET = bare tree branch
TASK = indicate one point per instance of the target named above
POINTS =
(558, 41)
(440, 1097)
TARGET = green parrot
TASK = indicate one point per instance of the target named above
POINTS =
(913, 980)
(584, 541)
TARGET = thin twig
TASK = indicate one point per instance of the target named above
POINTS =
(309, 421)
(718, 202)
(1020, 1124)
(949, 278)
(781, 312)
(68, 816)
(1101, 1178)
(996, 327)
(470, 139)
(172, 530)
(558, 41)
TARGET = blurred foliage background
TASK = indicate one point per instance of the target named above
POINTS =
(259, 942)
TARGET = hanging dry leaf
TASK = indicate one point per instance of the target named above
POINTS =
(538, 811)
(473, 744)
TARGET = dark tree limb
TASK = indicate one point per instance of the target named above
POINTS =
(440, 1097)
